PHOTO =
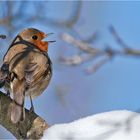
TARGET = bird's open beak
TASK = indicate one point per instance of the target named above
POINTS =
(46, 35)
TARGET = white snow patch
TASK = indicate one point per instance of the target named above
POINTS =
(114, 125)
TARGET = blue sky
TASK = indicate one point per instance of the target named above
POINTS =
(73, 94)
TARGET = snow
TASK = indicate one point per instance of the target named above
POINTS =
(114, 125)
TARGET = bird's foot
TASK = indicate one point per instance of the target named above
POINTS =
(8, 93)
(31, 109)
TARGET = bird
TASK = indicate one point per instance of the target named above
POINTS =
(26, 70)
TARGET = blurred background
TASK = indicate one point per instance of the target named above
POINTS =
(73, 92)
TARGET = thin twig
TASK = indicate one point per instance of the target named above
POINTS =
(85, 47)
(118, 39)
(95, 67)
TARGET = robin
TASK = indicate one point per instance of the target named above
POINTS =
(26, 69)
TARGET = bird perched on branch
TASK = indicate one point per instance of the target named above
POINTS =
(26, 69)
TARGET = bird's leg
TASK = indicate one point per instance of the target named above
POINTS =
(32, 106)
(8, 93)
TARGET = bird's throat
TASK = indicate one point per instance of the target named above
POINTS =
(42, 45)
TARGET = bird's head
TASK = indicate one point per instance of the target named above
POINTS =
(36, 37)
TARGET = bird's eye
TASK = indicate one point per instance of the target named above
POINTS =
(34, 37)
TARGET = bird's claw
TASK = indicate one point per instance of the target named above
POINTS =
(31, 109)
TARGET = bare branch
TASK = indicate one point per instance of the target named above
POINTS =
(68, 23)
(93, 53)
(31, 128)
(85, 47)
(75, 60)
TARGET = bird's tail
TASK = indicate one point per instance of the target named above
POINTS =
(17, 110)
(3, 74)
